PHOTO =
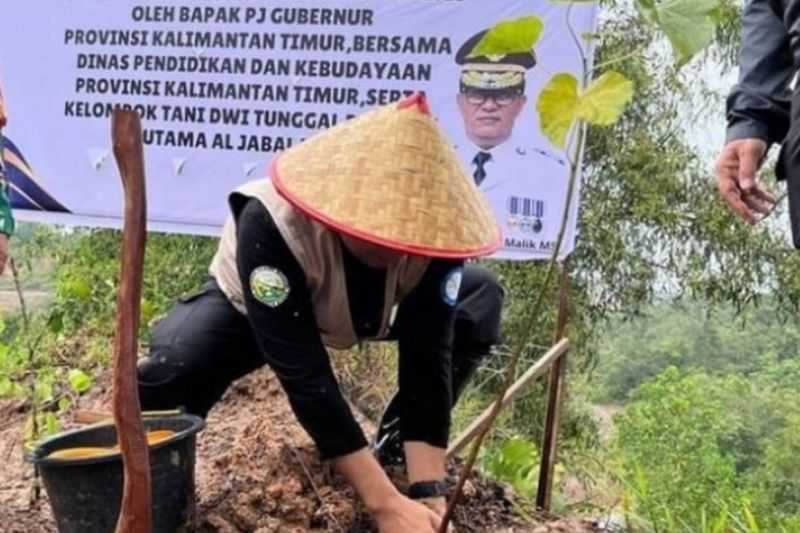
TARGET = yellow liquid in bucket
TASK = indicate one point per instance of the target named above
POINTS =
(153, 437)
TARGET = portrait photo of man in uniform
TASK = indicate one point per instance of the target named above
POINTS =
(491, 94)
(508, 165)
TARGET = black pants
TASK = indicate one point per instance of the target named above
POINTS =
(204, 344)
(788, 167)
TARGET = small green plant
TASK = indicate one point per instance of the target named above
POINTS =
(516, 462)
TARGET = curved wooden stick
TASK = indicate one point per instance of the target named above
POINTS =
(135, 513)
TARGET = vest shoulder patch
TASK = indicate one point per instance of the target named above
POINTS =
(451, 285)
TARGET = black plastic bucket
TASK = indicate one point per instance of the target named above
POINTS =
(86, 494)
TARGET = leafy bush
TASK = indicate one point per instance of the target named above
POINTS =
(699, 450)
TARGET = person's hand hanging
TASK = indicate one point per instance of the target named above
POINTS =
(738, 185)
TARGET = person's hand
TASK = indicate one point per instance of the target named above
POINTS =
(736, 169)
(438, 506)
(3, 251)
(403, 515)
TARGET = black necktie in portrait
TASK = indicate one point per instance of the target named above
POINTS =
(481, 158)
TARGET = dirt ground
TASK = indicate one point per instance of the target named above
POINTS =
(257, 472)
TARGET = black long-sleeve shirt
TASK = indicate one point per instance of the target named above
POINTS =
(759, 104)
(290, 340)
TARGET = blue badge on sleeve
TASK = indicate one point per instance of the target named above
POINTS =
(451, 285)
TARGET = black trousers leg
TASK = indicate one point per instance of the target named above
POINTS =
(196, 352)
(479, 308)
(477, 329)
(788, 167)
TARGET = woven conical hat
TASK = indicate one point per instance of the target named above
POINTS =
(390, 177)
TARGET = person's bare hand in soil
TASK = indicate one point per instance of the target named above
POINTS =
(393, 512)
(426, 463)
(401, 515)
(738, 185)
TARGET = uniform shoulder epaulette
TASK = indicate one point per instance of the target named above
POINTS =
(523, 150)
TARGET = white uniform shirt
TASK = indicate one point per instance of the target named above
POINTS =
(525, 186)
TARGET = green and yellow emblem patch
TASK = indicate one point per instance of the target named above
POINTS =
(269, 286)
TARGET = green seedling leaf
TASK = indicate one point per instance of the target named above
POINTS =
(557, 106)
(79, 380)
(688, 24)
(79, 289)
(63, 404)
(648, 10)
(560, 103)
(605, 98)
(520, 454)
(510, 37)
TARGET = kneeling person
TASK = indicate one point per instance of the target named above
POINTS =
(361, 234)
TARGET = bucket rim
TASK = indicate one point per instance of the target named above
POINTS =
(37, 457)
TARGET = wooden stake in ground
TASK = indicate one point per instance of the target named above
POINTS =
(536, 370)
(554, 399)
(135, 513)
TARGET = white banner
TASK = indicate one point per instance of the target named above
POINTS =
(224, 85)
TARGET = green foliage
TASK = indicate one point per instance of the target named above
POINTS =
(688, 24)
(693, 336)
(88, 272)
(54, 360)
(516, 461)
(695, 446)
(777, 479)
(671, 437)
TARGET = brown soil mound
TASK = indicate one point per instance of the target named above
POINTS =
(257, 471)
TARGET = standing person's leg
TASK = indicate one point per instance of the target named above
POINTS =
(788, 167)
(196, 352)
(477, 329)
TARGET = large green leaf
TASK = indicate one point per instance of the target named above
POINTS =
(648, 9)
(560, 103)
(603, 101)
(510, 37)
(688, 24)
(557, 106)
